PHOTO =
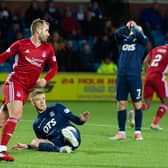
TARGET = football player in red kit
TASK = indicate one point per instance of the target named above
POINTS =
(30, 57)
(156, 64)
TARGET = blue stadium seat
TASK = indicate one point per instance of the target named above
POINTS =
(158, 38)
(26, 33)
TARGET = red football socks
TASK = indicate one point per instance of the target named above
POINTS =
(7, 130)
(160, 113)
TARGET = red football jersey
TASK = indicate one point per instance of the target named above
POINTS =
(159, 60)
(29, 62)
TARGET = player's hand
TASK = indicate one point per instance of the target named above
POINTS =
(128, 25)
(85, 116)
(41, 82)
(131, 23)
(20, 146)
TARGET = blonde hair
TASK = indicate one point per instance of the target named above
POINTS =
(35, 93)
(37, 23)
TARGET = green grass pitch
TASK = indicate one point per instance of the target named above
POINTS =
(96, 150)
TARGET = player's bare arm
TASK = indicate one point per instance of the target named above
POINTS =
(146, 62)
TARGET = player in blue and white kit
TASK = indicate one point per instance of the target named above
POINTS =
(131, 51)
(53, 126)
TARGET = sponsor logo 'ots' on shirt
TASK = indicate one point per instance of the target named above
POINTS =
(131, 50)
(48, 125)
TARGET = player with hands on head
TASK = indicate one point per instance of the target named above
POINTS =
(53, 126)
(131, 43)
(31, 55)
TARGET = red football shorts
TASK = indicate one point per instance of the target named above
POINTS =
(12, 91)
(155, 83)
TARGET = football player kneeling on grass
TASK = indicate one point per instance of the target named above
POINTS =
(53, 126)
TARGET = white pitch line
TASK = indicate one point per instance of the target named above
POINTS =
(99, 125)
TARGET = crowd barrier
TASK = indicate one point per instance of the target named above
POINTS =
(78, 87)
